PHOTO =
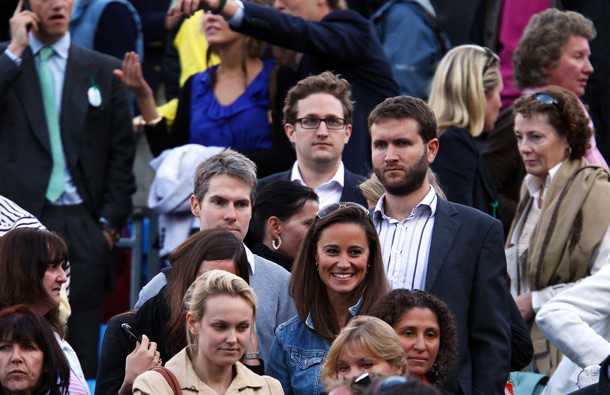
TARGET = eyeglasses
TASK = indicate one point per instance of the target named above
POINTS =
(491, 60)
(545, 98)
(390, 382)
(314, 123)
(331, 208)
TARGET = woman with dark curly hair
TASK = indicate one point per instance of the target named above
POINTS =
(560, 231)
(425, 329)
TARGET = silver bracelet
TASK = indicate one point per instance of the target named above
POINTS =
(252, 355)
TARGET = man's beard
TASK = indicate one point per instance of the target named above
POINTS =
(412, 181)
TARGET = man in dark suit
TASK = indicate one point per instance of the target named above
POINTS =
(66, 151)
(452, 251)
(331, 38)
(318, 121)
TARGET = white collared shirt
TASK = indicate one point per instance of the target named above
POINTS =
(250, 258)
(405, 245)
(330, 191)
(534, 184)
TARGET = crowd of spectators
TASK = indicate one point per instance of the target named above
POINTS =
(354, 209)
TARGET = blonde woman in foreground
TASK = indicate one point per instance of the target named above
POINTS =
(221, 312)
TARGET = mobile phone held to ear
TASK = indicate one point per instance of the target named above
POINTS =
(130, 333)
(26, 5)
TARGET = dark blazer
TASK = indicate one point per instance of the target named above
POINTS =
(467, 270)
(462, 174)
(98, 141)
(351, 192)
(343, 42)
(503, 160)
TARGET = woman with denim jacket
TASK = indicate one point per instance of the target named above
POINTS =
(337, 275)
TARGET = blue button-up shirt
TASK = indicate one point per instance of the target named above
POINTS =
(297, 355)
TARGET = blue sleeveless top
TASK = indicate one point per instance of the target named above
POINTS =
(242, 125)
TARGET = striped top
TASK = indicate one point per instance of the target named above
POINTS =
(12, 216)
(405, 244)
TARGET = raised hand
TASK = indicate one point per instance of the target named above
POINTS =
(21, 21)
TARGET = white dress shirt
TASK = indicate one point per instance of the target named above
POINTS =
(328, 192)
(405, 244)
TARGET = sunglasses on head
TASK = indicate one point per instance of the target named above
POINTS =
(545, 98)
(492, 58)
(331, 208)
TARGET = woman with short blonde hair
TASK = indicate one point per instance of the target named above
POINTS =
(368, 340)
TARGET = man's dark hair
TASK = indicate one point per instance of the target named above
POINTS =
(403, 107)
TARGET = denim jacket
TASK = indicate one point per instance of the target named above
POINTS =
(297, 355)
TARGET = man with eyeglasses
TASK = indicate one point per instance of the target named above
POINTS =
(452, 251)
(318, 121)
(330, 37)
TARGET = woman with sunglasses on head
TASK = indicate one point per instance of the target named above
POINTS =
(465, 97)
(554, 50)
(560, 231)
(31, 361)
(337, 275)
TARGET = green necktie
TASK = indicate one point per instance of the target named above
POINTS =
(56, 182)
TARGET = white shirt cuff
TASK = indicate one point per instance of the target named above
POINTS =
(17, 60)
(238, 18)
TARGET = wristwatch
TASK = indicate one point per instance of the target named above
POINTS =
(114, 232)
(252, 355)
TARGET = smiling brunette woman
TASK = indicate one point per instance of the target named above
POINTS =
(31, 362)
(560, 231)
(221, 312)
(337, 275)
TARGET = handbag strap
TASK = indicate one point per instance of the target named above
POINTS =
(169, 377)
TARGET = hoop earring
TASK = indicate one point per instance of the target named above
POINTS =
(317, 266)
(279, 243)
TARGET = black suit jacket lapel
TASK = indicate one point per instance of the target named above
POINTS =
(27, 88)
(443, 236)
(75, 103)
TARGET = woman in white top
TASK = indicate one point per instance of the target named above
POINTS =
(577, 322)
